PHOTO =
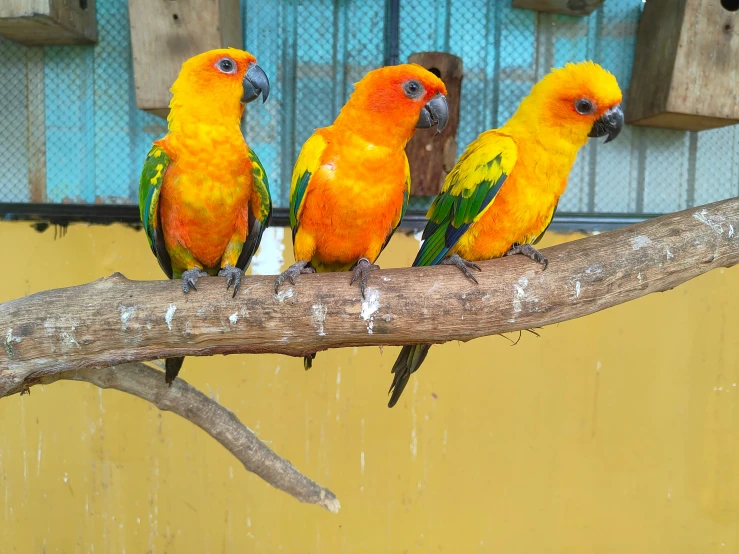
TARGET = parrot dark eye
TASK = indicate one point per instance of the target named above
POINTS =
(226, 65)
(584, 106)
(413, 89)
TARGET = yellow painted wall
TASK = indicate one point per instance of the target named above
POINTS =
(616, 433)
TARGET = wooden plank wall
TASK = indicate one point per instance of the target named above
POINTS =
(72, 110)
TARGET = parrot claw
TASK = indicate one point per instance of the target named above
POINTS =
(233, 274)
(361, 272)
(291, 273)
(463, 265)
(529, 251)
(190, 277)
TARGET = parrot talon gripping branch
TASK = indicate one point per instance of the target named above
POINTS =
(362, 272)
(463, 265)
(291, 273)
(233, 277)
(190, 278)
(530, 252)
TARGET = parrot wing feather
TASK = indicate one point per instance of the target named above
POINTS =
(403, 208)
(150, 185)
(260, 212)
(308, 162)
(551, 217)
(468, 191)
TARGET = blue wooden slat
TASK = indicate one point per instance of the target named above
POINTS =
(70, 126)
(13, 127)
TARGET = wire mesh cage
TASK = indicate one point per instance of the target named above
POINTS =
(70, 131)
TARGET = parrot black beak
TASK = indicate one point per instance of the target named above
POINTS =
(255, 83)
(609, 123)
(435, 112)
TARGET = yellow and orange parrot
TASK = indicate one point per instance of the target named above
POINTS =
(204, 197)
(501, 195)
(351, 182)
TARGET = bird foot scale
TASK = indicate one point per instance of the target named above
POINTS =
(233, 274)
(463, 265)
(190, 278)
(362, 271)
(292, 272)
(530, 252)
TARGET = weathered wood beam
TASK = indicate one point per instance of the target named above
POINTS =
(114, 320)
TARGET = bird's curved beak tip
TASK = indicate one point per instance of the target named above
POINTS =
(610, 124)
(255, 83)
(435, 112)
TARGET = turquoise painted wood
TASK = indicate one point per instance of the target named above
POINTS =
(82, 123)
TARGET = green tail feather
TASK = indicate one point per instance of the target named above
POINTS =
(409, 360)
(172, 367)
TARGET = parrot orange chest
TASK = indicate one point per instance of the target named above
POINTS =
(355, 199)
(205, 193)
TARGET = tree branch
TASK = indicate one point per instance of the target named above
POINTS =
(113, 320)
(189, 403)
(72, 333)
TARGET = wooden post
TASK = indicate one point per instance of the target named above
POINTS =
(566, 7)
(432, 156)
(685, 67)
(165, 33)
(47, 22)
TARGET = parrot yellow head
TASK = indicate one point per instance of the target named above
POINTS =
(389, 103)
(217, 84)
(579, 100)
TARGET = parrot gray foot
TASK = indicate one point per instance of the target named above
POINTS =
(529, 251)
(463, 265)
(190, 277)
(292, 272)
(233, 274)
(361, 272)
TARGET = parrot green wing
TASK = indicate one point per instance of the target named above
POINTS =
(150, 185)
(468, 191)
(308, 162)
(260, 212)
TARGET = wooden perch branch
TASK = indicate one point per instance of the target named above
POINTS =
(110, 324)
(114, 320)
(188, 402)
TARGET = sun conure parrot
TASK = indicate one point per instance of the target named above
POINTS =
(204, 197)
(501, 195)
(351, 182)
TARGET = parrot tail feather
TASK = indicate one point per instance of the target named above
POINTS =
(172, 368)
(308, 361)
(410, 359)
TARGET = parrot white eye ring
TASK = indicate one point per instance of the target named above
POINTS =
(226, 65)
(583, 106)
(413, 89)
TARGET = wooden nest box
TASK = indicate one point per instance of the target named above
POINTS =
(686, 67)
(165, 33)
(49, 22)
